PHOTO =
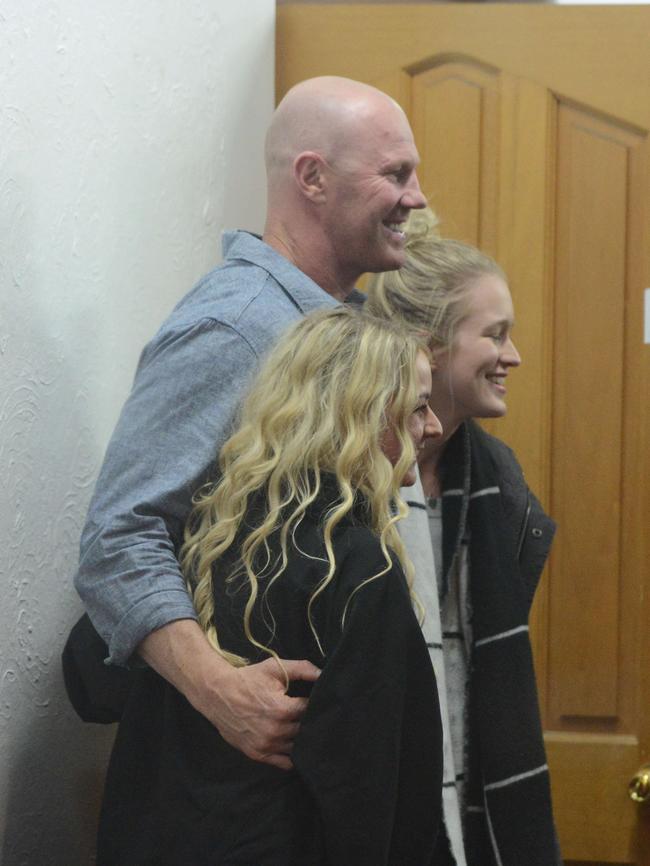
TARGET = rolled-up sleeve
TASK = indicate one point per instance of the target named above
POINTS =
(187, 387)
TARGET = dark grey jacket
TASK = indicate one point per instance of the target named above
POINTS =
(535, 529)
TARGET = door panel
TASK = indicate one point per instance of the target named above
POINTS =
(532, 123)
(462, 181)
(594, 206)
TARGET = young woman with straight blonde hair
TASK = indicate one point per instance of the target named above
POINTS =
(478, 539)
(294, 553)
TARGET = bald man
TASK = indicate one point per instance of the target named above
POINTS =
(341, 165)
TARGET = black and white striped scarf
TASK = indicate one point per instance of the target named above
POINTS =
(509, 818)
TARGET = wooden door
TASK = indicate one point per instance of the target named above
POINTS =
(532, 123)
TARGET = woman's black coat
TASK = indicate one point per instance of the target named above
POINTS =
(366, 788)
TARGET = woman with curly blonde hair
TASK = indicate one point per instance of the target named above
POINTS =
(294, 553)
(478, 538)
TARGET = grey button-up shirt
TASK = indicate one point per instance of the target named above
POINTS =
(187, 386)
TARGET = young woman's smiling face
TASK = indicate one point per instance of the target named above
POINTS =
(469, 380)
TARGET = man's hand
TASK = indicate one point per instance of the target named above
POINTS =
(252, 711)
(248, 705)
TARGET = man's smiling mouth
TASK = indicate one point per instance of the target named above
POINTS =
(396, 229)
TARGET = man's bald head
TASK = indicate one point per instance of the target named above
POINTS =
(326, 115)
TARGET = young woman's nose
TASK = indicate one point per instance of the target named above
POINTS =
(509, 354)
(432, 426)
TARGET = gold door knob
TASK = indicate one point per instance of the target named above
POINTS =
(639, 787)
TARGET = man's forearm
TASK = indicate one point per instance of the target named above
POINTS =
(180, 652)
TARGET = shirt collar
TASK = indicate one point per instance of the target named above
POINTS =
(248, 247)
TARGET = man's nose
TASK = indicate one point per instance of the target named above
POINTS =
(413, 197)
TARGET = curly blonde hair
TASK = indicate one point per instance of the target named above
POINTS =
(319, 404)
(429, 292)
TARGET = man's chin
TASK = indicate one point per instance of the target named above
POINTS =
(391, 261)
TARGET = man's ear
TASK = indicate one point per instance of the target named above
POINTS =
(309, 174)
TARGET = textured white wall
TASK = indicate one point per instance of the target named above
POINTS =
(130, 135)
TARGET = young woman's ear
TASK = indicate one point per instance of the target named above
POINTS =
(309, 174)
